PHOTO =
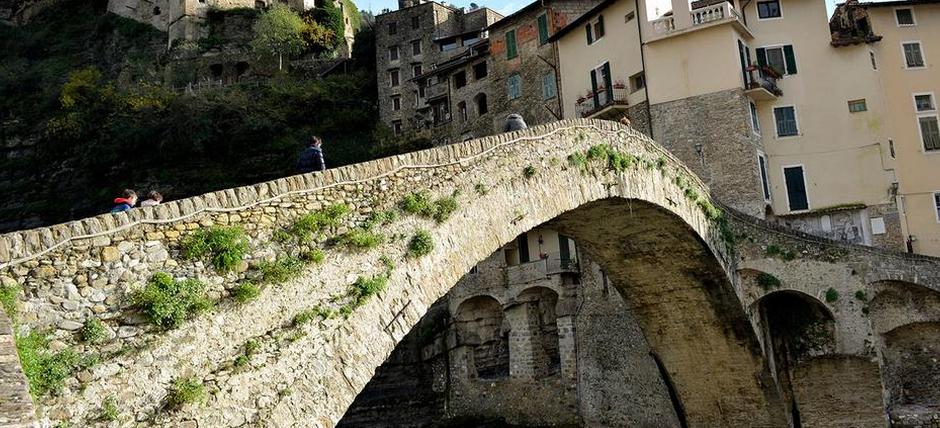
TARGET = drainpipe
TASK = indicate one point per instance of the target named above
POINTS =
(646, 86)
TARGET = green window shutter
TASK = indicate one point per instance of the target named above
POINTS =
(511, 44)
(761, 57)
(594, 87)
(600, 27)
(587, 30)
(543, 29)
(790, 59)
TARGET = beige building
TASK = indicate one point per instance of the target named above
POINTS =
(830, 128)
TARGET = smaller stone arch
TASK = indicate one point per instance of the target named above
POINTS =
(479, 324)
(537, 317)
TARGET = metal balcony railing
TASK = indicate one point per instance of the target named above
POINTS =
(763, 77)
(596, 101)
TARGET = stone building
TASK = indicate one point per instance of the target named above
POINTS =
(518, 340)
(412, 43)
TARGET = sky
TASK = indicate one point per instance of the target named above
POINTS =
(504, 7)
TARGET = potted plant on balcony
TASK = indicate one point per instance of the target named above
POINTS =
(619, 84)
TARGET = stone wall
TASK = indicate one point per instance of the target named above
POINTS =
(16, 406)
(711, 134)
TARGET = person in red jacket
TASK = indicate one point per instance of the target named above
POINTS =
(126, 202)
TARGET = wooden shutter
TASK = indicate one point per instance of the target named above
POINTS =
(600, 26)
(543, 29)
(608, 84)
(564, 251)
(511, 44)
(761, 56)
(587, 30)
(594, 87)
(790, 58)
(796, 188)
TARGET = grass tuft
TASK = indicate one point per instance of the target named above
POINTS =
(421, 244)
(360, 239)
(225, 247)
(46, 371)
(832, 295)
(245, 292)
(767, 281)
(167, 302)
(185, 391)
(280, 270)
(529, 171)
(93, 331)
(316, 222)
(9, 294)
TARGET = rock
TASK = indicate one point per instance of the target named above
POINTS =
(97, 296)
(127, 331)
(71, 292)
(110, 254)
(7, 281)
(70, 305)
(69, 325)
(44, 272)
(125, 247)
(157, 256)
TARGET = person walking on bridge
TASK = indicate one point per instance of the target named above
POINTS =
(126, 202)
(311, 159)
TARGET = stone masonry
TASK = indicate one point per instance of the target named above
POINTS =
(678, 270)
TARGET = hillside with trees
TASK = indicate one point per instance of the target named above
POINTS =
(91, 103)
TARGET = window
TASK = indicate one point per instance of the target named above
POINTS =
(595, 29)
(480, 100)
(913, 56)
(768, 9)
(416, 47)
(393, 78)
(905, 17)
(396, 103)
(637, 81)
(462, 110)
(924, 102)
(416, 70)
(479, 70)
(415, 22)
(514, 86)
(780, 58)
(460, 79)
(765, 183)
(856, 106)
(448, 45)
(936, 205)
(601, 85)
(549, 90)
(874, 65)
(393, 53)
(469, 40)
(785, 118)
(927, 121)
(396, 126)
(392, 28)
(755, 122)
(543, 28)
(511, 44)
(797, 199)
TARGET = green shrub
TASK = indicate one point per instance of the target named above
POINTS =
(167, 302)
(528, 171)
(691, 193)
(242, 361)
(619, 161)
(318, 221)
(381, 218)
(861, 295)
(831, 295)
(776, 251)
(224, 246)
(281, 236)
(767, 281)
(9, 294)
(577, 160)
(364, 288)
(315, 313)
(109, 410)
(418, 203)
(281, 269)
(93, 331)
(710, 210)
(45, 371)
(421, 244)
(185, 391)
(360, 239)
(314, 256)
(245, 291)
(481, 189)
(598, 152)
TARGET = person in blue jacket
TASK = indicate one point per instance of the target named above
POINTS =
(311, 159)
(126, 202)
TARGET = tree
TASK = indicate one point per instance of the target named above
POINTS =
(318, 38)
(279, 31)
(331, 17)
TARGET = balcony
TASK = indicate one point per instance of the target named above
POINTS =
(603, 105)
(701, 17)
(762, 83)
(540, 269)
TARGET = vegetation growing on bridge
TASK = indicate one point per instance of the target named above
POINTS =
(245, 291)
(777, 251)
(168, 302)
(360, 239)
(529, 171)
(832, 295)
(93, 331)
(280, 269)
(225, 247)
(421, 244)
(317, 222)
(109, 410)
(185, 391)
(420, 203)
(767, 281)
(9, 294)
(46, 371)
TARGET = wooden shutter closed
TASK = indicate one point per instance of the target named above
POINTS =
(796, 188)
(790, 58)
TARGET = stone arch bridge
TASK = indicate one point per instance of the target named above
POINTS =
(711, 289)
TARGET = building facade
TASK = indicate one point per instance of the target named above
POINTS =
(411, 43)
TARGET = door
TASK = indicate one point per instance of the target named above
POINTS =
(796, 188)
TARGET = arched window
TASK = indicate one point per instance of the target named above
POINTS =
(480, 100)
(479, 324)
